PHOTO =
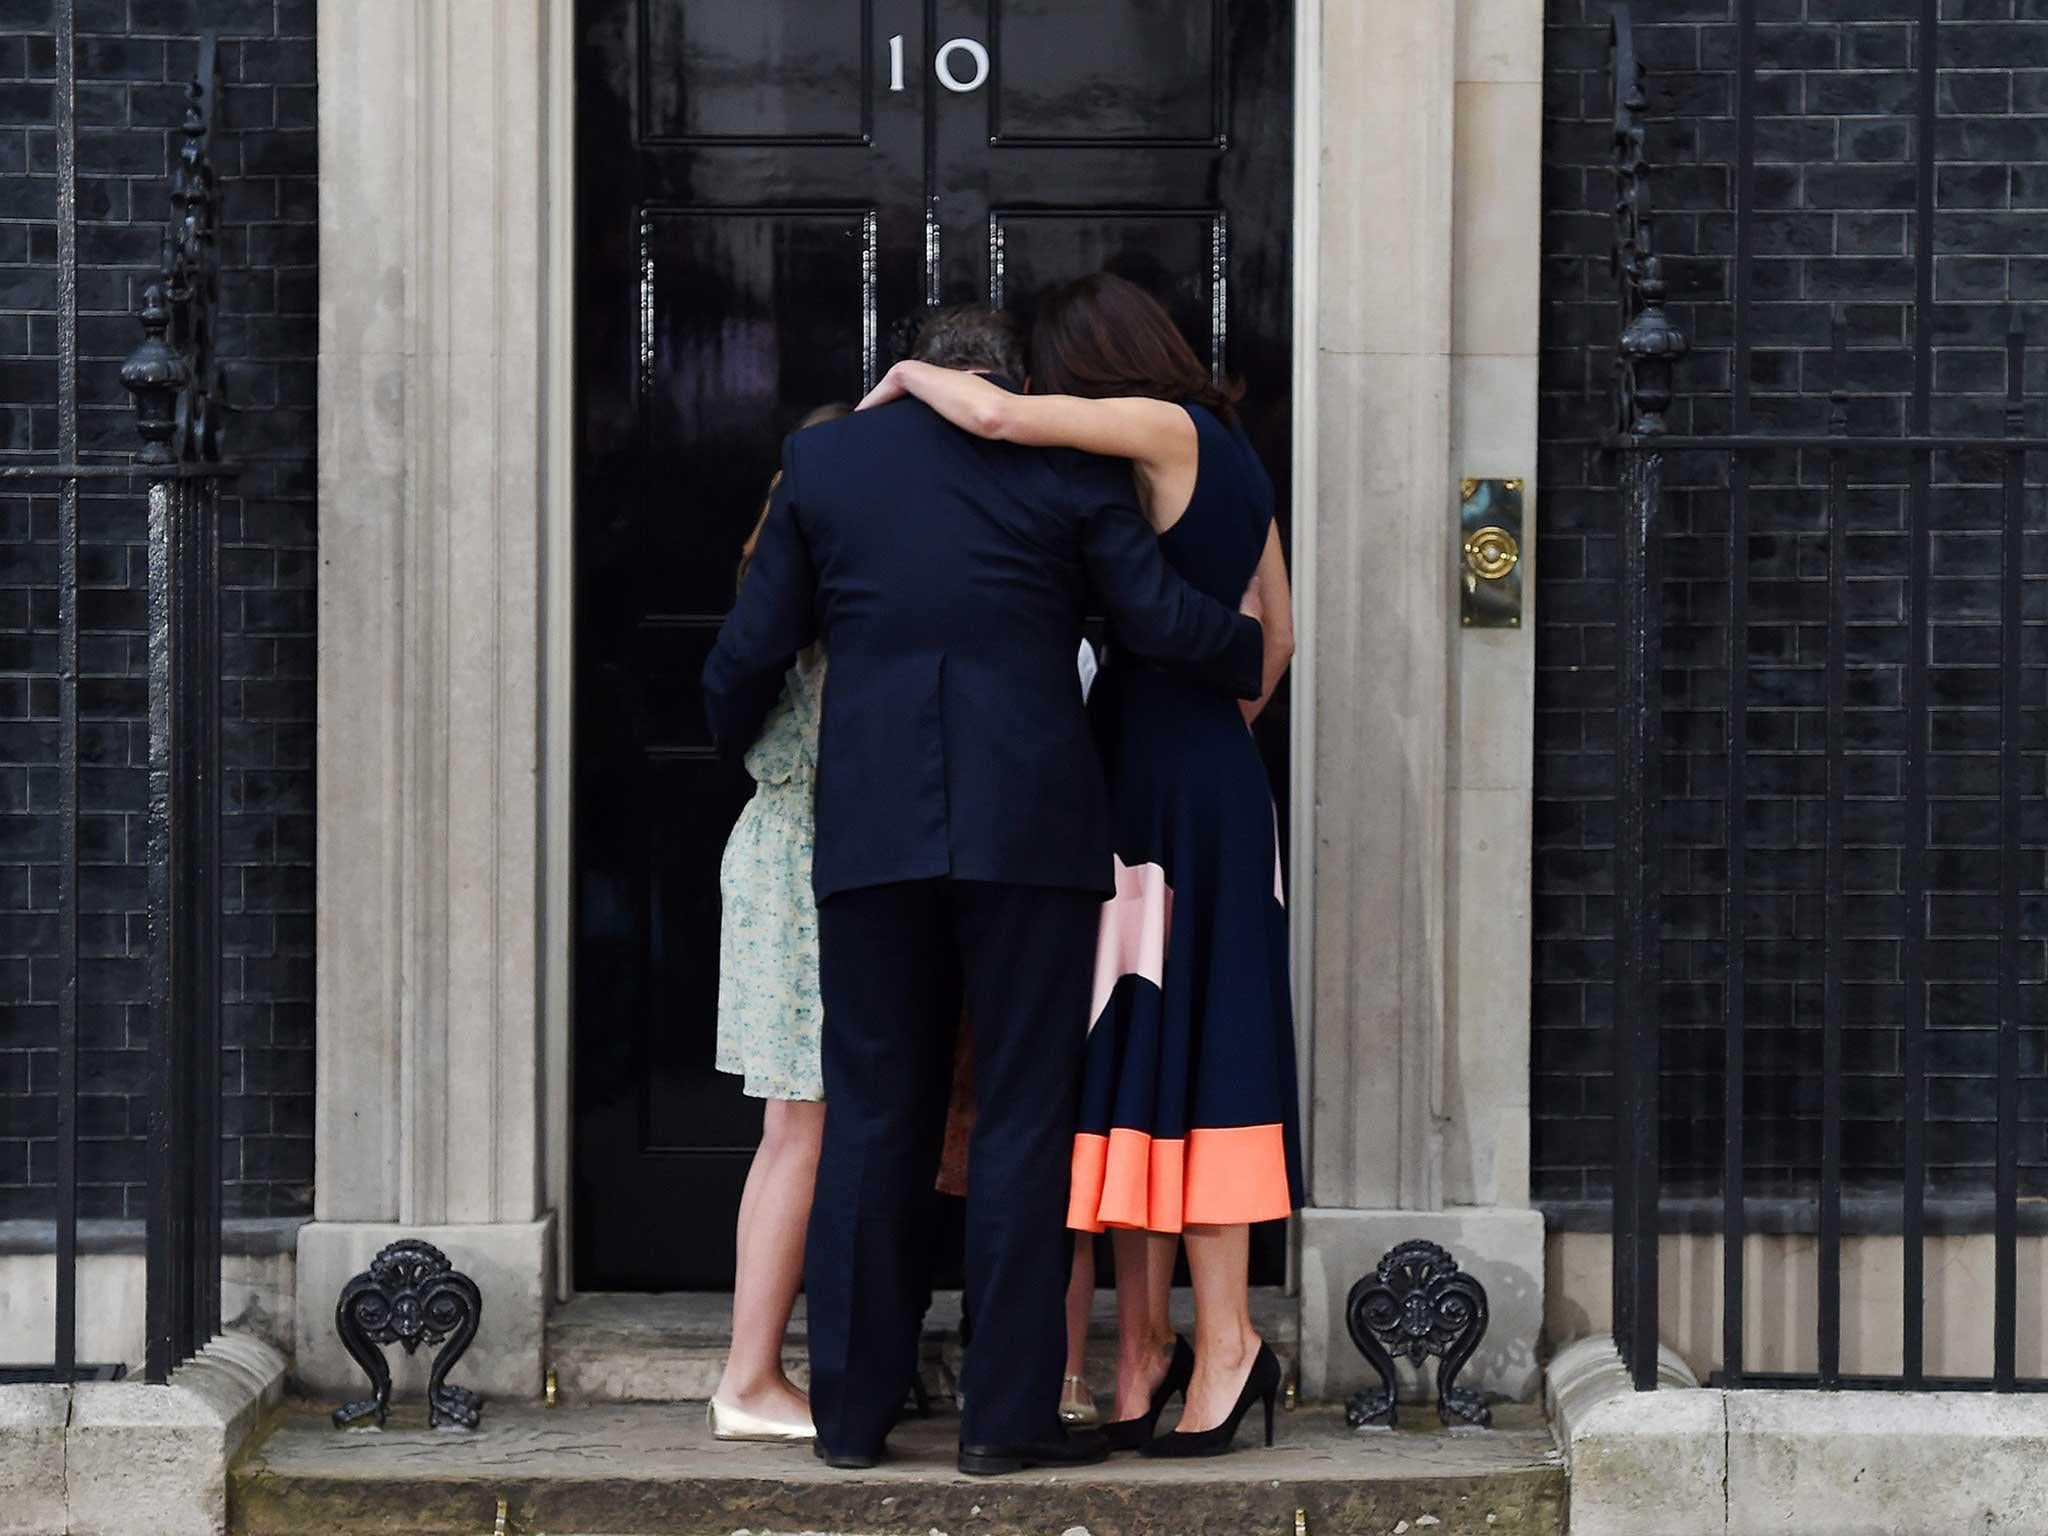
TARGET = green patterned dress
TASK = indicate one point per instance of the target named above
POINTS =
(770, 1014)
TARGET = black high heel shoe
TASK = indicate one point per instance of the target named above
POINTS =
(1262, 1383)
(1134, 1434)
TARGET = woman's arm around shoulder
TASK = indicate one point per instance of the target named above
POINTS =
(1156, 434)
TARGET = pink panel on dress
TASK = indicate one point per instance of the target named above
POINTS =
(1132, 938)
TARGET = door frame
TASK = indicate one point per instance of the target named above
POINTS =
(558, 661)
(557, 702)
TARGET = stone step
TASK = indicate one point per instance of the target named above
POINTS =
(653, 1470)
(609, 1347)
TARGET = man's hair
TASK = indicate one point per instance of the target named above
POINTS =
(972, 336)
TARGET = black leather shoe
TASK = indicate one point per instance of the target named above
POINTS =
(1136, 1434)
(1261, 1385)
(1082, 1449)
(847, 1461)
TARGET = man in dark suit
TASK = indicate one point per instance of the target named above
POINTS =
(963, 854)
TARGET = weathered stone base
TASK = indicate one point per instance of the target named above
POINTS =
(33, 1422)
(1502, 1248)
(1647, 1461)
(512, 1264)
(1703, 1462)
(1781, 1300)
(116, 1458)
(255, 1289)
(655, 1471)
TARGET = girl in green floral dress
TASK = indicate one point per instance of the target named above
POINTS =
(770, 1019)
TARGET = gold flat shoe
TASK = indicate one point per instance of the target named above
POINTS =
(728, 1423)
(1077, 1404)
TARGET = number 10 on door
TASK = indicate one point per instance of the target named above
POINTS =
(946, 64)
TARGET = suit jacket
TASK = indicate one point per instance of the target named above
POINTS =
(948, 577)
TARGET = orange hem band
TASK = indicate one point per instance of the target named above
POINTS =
(1216, 1177)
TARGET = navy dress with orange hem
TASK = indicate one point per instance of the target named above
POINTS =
(1188, 1106)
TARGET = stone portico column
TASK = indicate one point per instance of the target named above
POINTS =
(1427, 132)
(433, 222)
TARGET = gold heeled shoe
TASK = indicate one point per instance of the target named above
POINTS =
(729, 1423)
(1077, 1404)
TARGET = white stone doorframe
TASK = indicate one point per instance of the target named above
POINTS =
(445, 671)
(1420, 128)
(444, 132)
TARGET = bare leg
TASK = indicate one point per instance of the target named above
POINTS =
(775, 1210)
(1159, 1256)
(1225, 1345)
(1080, 1303)
(1144, 1332)
(1080, 1307)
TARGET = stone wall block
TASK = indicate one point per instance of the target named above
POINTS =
(139, 1457)
(1885, 1463)
(1498, 214)
(1500, 40)
(1486, 1077)
(1640, 1461)
(32, 1423)
(1383, 637)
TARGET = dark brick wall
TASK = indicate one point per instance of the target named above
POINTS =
(1836, 226)
(133, 56)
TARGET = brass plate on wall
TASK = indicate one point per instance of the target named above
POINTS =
(1490, 554)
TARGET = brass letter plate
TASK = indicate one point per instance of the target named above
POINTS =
(1490, 556)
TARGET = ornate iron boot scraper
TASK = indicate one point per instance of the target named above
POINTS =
(1417, 1303)
(410, 1295)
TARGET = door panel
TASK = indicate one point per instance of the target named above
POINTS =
(1179, 258)
(756, 209)
(744, 314)
(792, 70)
(1139, 72)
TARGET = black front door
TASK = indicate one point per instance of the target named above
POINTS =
(764, 190)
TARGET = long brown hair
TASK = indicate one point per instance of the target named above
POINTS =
(1103, 335)
(830, 411)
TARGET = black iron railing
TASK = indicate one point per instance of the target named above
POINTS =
(176, 384)
(1649, 349)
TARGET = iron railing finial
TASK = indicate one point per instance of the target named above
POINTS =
(156, 374)
(1649, 345)
(173, 372)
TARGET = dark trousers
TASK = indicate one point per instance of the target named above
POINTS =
(898, 961)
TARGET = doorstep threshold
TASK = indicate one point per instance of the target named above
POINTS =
(654, 1470)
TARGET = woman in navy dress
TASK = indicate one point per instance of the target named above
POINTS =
(1189, 1123)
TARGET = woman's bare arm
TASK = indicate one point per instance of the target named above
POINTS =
(1156, 434)
(1275, 602)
